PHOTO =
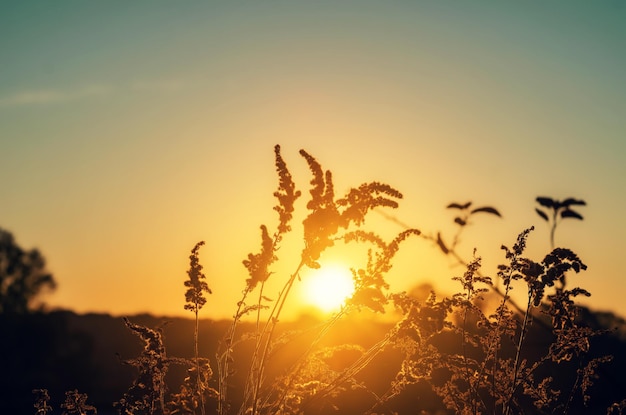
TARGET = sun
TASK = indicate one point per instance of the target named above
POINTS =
(328, 287)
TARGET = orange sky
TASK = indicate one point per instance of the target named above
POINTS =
(128, 132)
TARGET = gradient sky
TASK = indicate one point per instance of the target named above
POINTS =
(131, 130)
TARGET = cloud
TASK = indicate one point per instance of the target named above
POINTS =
(32, 97)
(163, 85)
(56, 96)
(53, 96)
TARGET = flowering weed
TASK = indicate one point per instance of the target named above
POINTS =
(473, 357)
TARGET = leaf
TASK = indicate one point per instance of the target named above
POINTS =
(459, 206)
(571, 201)
(487, 209)
(460, 221)
(567, 213)
(443, 246)
(542, 214)
(454, 206)
(546, 201)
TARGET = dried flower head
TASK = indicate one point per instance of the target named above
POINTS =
(327, 216)
(147, 392)
(286, 193)
(258, 264)
(196, 286)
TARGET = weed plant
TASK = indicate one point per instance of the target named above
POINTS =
(472, 357)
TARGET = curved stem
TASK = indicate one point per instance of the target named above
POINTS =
(258, 364)
(223, 360)
(553, 229)
(518, 354)
(325, 328)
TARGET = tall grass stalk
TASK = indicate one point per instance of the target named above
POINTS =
(195, 300)
(474, 358)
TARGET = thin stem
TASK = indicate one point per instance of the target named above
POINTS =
(496, 339)
(326, 326)
(463, 343)
(258, 364)
(354, 368)
(199, 381)
(574, 387)
(473, 388)
(553, 229)
(223, 360)
(258, 310)
(518, 354)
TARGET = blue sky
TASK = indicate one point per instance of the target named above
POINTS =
(129, 131)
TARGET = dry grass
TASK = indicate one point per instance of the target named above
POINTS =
(476, 359)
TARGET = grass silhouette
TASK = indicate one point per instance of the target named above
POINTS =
(466, 355)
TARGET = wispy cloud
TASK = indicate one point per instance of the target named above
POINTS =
(56, 96)
(33, 97)
(53, 96)
(162, 85)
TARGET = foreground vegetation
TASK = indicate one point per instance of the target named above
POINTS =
(459, 354)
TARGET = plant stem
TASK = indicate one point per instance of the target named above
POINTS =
(223, 360)
(553, 229)
(518, 353)
(199, 380)
(258, 364)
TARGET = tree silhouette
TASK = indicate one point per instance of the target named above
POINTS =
(22, 275)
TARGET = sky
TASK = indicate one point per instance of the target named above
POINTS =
(129, 131)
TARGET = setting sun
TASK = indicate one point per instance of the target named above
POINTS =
(328, 287)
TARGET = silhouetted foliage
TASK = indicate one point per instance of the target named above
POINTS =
(76, 404)
(463, 219)
(42, 401)
(558, 210)
(23, 275)
(147, 394)
(462, 354)
(195, 299)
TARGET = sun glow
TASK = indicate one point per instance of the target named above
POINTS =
(328, 287)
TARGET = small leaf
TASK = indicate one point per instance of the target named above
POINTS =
(571, 201)
(460, 221)
(546, 201)
(542, 214)
(443, 246)
(571, 214)
(454, 206)
(487, 209)
(459, 206)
